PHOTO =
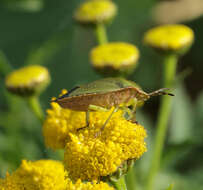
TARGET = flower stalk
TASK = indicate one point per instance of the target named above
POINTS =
(131, 179)
(35, 106)
(120, 184)
(170, 63)
(101, 35)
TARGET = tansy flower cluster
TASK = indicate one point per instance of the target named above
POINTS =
(115, 58)
(95, 11)
(89, 155)
(28, 81)
(172, 38)
(59, 123)
(38, 175)
(45, 175)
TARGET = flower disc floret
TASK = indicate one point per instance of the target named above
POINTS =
(115, 57)
(28, 80)
(59, 122)
(174, 37)
(38, 175)
(90, 156)
(95, 11)
(88, 186)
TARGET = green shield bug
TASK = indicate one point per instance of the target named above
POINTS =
(105, 93)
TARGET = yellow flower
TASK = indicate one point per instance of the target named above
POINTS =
(38, 175)
(45, 175)
(90, 157)
(28, 80)
(88, 186)
(174, 37)
(114, 58)
(59, 123)
(92, 12)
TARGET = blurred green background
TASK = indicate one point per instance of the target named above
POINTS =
(43, 32)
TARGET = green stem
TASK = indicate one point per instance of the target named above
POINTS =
(101, 33)
(170, 62)
(35, 106)
(120, 184)
(131, 179)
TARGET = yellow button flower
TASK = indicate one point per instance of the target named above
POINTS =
(95, 11)
(89, 186)
(89, 156)
(46, 175)
(28, 80)
(114, 58)
(59, 122)
(174, 37)
(38, 175)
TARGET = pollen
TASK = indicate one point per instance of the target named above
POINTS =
(91, 153)
(38, 175)
(95, 11)
(169, 37)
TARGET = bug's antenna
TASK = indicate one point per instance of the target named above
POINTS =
(161, 92)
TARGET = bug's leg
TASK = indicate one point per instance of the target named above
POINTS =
(133, 105)
(87, 120)
(114, 110)
(91, 108)
(96, 108)
(127, 112)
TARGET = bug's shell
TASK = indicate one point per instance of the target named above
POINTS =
(104, 93)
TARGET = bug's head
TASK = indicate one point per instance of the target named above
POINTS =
(161, 91)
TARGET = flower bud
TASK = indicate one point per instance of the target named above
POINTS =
(95, 11)
(28, 81)
(114, 59)
(174, 38)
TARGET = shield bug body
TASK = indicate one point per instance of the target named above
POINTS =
(105, 93)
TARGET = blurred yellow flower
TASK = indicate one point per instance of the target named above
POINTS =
(89, 157)
(95, 11)
(59, 122)
(174, 37)
(28, 80)
(38, 175)
(114, 57)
